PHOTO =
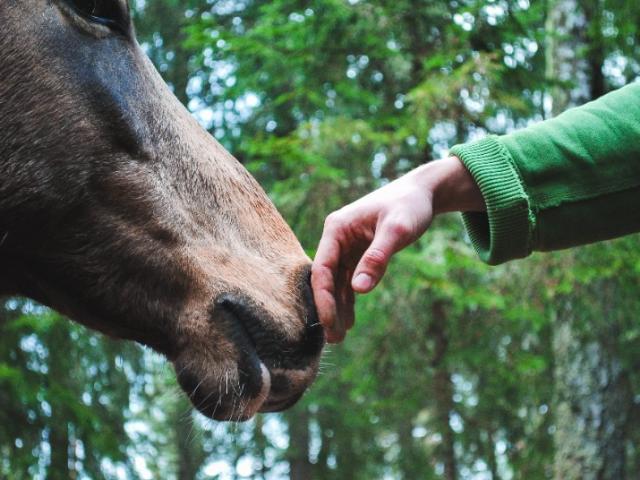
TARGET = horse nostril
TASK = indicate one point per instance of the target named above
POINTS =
(243, 318)
(311, 312)
(239, 325)
(314, 333)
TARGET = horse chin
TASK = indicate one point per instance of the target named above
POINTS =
(241, 409)
(287, 387)
(226, 393)
(220, 392)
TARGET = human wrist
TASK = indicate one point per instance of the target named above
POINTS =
(451, 187)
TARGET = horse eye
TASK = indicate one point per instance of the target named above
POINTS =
(112, 13)
(86, 7)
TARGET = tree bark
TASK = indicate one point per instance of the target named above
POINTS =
(260, 443)
(492, 461)
(300, 468)
(593, 11)
(190, 454)
(59, 431)
(59, 443)
(443, 390)
(592, 398)
(411, 461)
(564, 70)
(592, 389)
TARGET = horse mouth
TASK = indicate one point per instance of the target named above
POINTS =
(233, 405)
(267, 374)
(279, 388)
(229, 401)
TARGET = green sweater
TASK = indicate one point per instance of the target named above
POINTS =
(567, 181)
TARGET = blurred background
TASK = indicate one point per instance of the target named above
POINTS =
(455, 370)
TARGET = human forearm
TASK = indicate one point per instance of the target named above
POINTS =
(452, 187)
(567, 181)
(359, 240)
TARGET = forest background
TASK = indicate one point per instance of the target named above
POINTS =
(455, 370)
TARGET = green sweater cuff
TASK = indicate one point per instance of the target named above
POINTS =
(504, 231)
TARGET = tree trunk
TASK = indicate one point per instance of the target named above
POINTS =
(492, 461)
(593, 11)
(59, 443)
(443, 390)
(59, 431)
(260, 446)
(592, 389)
(322, 469)
(411, 461)
(187, 465)
(300, 468)
(564, 70)
(592, 398)
(190, 454)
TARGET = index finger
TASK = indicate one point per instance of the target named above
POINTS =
(323, 282)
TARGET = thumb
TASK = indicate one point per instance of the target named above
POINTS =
(389, 238)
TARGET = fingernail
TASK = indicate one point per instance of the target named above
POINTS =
(362, 282)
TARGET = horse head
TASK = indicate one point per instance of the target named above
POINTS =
(120, 211)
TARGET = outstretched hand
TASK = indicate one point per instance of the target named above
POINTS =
(359, 239)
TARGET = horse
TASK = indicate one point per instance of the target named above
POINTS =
(119, 211)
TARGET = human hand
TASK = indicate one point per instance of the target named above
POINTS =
(359, 239)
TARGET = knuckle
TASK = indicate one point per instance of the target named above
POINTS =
(333, 220)
(399, 228)
(320, 273)
(316, 271)
(375, 258)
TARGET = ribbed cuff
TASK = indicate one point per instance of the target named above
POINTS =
(504, 232)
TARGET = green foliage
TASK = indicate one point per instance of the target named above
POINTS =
(62, 390)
